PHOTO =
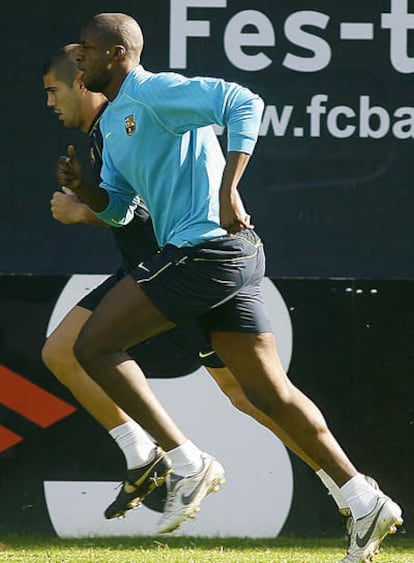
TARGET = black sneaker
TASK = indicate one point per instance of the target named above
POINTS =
(139, 484)
(157, 499)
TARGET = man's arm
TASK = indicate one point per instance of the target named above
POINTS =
(233, 216)
(67, 208)
(69, 174)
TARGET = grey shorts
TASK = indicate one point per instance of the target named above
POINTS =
(217, 282)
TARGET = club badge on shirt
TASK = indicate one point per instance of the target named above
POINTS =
(129, 124)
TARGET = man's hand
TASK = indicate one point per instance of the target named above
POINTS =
(69, 170)
(233, 216)
(66, 207)
(70, 177)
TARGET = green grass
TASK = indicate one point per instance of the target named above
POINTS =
(179, 549)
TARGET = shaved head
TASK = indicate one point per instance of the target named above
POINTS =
(119, 29)
(110, 46)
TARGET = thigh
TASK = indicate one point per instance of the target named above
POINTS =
(65, 334)
(174, 353)
(254, 361)
(125, 316)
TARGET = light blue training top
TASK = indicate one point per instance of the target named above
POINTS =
(160, 146)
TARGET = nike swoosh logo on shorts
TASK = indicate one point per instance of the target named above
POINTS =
(361, 542)
(202, 355)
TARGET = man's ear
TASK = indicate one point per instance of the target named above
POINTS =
(79, 82)
(120, 51)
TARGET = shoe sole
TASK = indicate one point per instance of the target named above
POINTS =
(213, 487)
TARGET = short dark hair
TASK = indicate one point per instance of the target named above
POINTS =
(63, 64)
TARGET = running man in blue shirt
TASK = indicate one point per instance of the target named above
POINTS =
(171, 354)
(159, 145)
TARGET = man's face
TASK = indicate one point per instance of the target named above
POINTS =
(64, 100)
(94, 61)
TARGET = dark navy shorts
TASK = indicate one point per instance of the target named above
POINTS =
(217, 282)
(177, 352)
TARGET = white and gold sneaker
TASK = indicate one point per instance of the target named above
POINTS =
(184, 494)
(367, 533)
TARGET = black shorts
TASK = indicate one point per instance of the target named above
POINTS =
(177, 352)
(217, 282)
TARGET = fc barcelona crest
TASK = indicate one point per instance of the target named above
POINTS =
(129, 124)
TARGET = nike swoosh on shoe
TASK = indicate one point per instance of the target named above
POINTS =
(362, 541)
(188, 499)
(130, 488)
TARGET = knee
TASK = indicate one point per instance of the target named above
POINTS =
(84, 352)
(237, 398)
(250, 398)
(48, 354)
(53, 354)
(259, 401)
(91, 353)
(57, 355)
(272, 401)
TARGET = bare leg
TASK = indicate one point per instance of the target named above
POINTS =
(231, 387)
(137, 447)
(125, 317)
(58, 356)
(254, 361)
(140, 451)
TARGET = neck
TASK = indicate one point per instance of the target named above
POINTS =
(92, 106)
(118, 77)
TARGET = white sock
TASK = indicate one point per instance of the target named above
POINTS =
(186, 459)
(360, 496)
(333, 489)
(136, 445)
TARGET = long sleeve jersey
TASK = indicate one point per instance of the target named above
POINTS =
(159, 145)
